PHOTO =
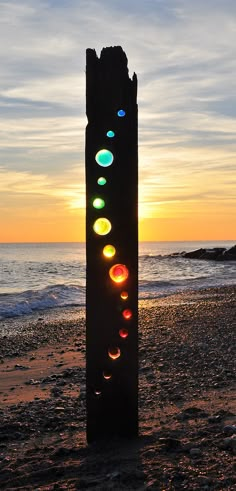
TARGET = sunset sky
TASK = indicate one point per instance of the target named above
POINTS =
(184, 54)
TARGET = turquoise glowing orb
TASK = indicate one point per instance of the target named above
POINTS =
(121, 113)
(104, 157)
(110, 134)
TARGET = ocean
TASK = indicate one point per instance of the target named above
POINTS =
(39, 276)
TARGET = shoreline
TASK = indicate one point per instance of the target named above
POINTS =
(10, 325)
(186, 400)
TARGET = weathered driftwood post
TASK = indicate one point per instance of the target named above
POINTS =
(111, 246)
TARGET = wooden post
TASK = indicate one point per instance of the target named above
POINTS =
(112, 273)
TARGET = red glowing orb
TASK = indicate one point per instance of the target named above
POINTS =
(107, 375)
(119, 273)
(97, 392)
(123, 333)
(124, 295)
(127, 314)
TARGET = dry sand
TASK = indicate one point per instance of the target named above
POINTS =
(187, 401)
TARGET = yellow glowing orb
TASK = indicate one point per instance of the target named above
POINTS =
(124, 295)
(109, 251)
(102, 226)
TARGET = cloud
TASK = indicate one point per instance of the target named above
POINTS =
(25, 187)
(62, 90)
(186, 77)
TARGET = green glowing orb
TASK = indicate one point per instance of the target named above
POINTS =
(104, 157)
(102, 226)
(98, 203)
(101, 181)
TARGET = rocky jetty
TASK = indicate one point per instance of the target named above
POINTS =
(215, 254)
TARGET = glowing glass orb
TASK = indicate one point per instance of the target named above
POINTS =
(97, 392)
(107, 375)
(109, 251)
(114, 353)
(102, 226)
(98, 203)
(121, 113)
(127, 314)
(104, 157)
(101, 181)
(119, 273)
(110, 134)
(123, 333)
(124, 295)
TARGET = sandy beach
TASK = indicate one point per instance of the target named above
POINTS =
(187, 401)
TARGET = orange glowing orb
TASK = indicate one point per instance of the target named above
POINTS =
(123, 333)
(109, 251)
(124, 295)
(114, 353)
(119, 273)
(127, 314)
(107, 375)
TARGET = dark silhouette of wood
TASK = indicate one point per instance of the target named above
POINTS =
(112, 405)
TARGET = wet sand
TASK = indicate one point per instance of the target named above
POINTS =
(187, 401)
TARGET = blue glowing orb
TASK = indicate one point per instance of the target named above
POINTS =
(121, 113)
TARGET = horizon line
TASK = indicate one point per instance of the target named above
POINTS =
(140, 241)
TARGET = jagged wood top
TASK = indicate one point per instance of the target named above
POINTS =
(107, 81)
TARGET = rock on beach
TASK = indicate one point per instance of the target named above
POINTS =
(214, 254)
